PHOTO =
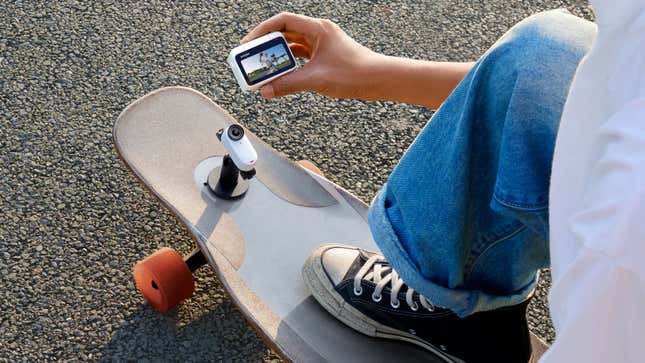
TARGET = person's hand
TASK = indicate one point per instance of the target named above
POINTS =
(338, 66)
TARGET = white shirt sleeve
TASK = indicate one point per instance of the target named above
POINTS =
(598, 301)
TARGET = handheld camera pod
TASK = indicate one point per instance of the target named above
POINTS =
(261, 60)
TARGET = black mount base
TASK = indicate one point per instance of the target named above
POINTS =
(226, 181)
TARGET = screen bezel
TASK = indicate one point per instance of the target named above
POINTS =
(257, 49)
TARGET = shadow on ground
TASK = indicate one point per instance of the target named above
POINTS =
(147, 335)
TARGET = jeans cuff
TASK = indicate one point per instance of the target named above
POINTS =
(461, 302)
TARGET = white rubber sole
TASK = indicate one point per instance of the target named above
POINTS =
(322, 289)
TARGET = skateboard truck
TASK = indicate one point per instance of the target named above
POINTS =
(230, 180)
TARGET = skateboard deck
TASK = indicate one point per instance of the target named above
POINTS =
(257, 244)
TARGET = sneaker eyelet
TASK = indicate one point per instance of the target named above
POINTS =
(376, 298)
(396, 306)
(414, 307)
(359, 291)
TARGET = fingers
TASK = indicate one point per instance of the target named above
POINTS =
(283, 22)
(299, 30)
(296, 81)
(300, 51)
(294, 37)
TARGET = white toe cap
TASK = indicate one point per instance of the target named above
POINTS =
(337, 260)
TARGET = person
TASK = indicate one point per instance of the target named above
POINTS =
(474, 209)
(263, 59)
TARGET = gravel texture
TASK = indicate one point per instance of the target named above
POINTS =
(73, 219)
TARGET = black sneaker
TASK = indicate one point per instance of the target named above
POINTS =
(363, 291)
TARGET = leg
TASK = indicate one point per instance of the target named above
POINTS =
(463, 217)
(462, 220)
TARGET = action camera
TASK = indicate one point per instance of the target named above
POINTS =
(239, 147)
(261, 60)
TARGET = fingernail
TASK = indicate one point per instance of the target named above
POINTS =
(267, 91)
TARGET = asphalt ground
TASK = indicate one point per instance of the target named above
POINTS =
(73, 221)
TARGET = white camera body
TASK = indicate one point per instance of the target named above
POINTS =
(239, 147)
(261, 60)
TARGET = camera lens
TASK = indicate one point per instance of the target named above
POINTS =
(235, 132)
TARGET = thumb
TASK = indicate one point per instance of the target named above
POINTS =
(297, 81)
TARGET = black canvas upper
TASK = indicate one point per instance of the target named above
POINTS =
(499, 335)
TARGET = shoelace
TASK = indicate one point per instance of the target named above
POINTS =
(373, 270)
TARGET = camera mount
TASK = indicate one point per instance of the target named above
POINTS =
(228, 181)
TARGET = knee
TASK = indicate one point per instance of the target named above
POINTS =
(554, 33)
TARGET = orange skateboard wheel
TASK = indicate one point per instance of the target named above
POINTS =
(164, 279)
(310, 166)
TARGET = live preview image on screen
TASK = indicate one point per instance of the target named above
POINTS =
(266, 63)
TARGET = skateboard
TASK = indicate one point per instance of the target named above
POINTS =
(257, 243)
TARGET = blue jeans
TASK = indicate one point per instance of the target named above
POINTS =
(463, 218)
